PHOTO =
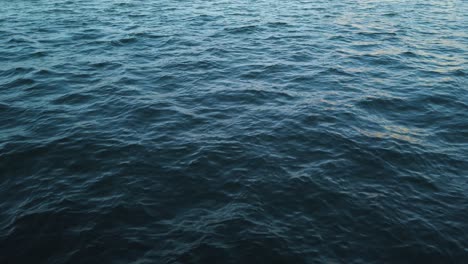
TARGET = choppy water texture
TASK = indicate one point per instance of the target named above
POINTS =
(233, 131)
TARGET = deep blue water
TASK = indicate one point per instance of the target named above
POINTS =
(235, 131)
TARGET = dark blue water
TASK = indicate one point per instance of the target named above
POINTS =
(233, 131)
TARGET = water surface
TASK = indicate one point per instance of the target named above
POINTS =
(233, 131)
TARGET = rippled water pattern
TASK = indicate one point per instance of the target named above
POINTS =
(235, 131)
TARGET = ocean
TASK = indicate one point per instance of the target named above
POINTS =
(237, 131)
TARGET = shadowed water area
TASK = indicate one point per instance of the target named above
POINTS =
(238, 131)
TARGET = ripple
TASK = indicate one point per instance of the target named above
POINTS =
(242, 29)
(233, 132)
